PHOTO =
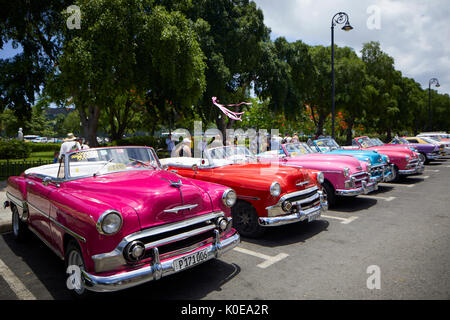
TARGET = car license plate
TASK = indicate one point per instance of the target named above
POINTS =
(190, 260)
(313, 216)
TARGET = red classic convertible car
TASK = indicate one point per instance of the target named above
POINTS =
(268, 194)
(120, 218)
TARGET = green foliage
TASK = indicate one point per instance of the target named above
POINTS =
(41, 147)
(14, 149)
(148, 141)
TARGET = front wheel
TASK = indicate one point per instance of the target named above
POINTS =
(245, 220)
(328, 193)
(74, 266)
(395, 174)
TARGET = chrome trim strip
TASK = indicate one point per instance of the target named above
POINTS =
(74, 234)
(301, 184)
(18, 202)
(309, 199)
(248, 197)
(46, 242)
(185, 207)
(364, 189)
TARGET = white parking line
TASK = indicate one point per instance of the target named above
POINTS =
(14, 283)
(378, 197)
(396, 185)
(268, 259)
(344, 220)
(431, 170)
(425, 177)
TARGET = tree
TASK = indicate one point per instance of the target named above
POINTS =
(383, 87)
(124, 44)
(33, 27)
(232, 35)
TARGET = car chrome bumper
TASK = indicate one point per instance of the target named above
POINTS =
(417, 170)
(293, 217)
(156, 269)
(433, 156)
(364, 189)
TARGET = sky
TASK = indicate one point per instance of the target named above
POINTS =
(416, 33)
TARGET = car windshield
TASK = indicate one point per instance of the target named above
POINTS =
(427, 139)
(296, 149)
(327, 143)
(98, 161)
(366, 142)
(234, 153)
(377, 142)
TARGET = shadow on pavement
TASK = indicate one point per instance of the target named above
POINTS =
(353, 204)
(194, 283)
(290, 233)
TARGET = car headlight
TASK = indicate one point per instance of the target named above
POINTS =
(321, 178)
(109, 222)
(387, 159)
(407, 158)
(275, 189)
(229, 197)
(369, 166)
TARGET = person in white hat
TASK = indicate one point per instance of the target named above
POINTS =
(184, 150)
(70, 144)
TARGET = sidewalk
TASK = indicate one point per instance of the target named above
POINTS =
(5, 214)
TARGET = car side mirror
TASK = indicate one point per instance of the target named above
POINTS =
(46, 181)
(195, 168)
(165, 167)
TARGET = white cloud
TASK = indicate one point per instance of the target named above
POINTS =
(415, 33)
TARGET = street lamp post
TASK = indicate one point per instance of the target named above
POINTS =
(338, 18)
(436, 83)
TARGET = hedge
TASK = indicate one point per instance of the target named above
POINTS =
(14, 149)
(40, 147)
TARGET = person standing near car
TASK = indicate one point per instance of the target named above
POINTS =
(70, 144)
(170, 144)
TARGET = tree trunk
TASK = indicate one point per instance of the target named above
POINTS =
(320, 123)
(89, 123)
(349, 132)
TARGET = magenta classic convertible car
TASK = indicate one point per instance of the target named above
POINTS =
(119, 217)
(343, 175)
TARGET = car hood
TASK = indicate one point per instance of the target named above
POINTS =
(260, 175)
(375, 157)
(148, 192)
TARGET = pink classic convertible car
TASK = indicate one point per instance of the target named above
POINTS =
(343, 175)
(120, 220)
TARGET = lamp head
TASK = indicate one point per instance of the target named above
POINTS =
(347, 26)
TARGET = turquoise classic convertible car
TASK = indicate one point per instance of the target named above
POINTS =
(380, 169)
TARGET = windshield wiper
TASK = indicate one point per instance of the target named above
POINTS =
(98, 171)
(143, 163)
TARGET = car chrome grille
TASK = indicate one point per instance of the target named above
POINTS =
(307, 198)
(175, 238)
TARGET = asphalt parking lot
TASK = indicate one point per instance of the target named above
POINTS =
(402, 231)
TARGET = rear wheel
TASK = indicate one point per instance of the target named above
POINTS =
(20, 229)
(245, 220)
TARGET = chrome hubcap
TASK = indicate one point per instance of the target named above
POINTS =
(75, 259)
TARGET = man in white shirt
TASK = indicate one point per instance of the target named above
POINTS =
(70, 144)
